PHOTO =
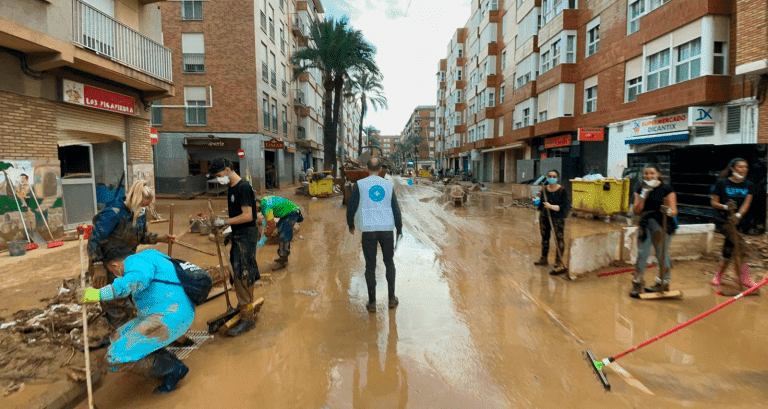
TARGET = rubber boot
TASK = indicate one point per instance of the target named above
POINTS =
(659, 287)
(393, 302)
(371, 306)
(241, 328)
(637, 289)
(745, 280)
(170, 368)
(718, 278)
(541, 262)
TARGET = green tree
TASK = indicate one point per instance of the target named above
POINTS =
(366, 88)
(371, 135)
(335, 49)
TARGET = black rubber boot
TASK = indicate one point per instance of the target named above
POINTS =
(371, 306)
(241, 328)
(637, 289)
(658, 288)
(170, 368)
(393, 302)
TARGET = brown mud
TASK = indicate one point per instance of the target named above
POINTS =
(477, 326)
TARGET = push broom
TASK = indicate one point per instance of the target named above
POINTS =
(597, 366)
(53, 243)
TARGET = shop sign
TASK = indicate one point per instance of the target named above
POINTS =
(666, 124)
(219, 144)
(86, 95)
(591, 134)
(557, 141)
(290, 150)
(703, 116)
(274, 144)
(153, 136)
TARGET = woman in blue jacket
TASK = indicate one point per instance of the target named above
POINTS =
(165, 313)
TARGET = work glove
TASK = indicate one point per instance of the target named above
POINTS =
(86, 295)
(734, 219)
(219, 223)
(165, 238)
(263, 241)
(666, 210)
(99, 277)
(536, 201)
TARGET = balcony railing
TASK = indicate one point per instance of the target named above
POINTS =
(112, 39)
(194, 63)
(299, 28)
(274, 80)
(299, 100)
(264, 71)
(285, 87)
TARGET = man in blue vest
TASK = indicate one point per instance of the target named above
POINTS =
(379, 216)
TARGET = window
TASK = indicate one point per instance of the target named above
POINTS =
(542, 116)
(458, 96)
(461, 52)
(501, 95)
(275, 129)
(634, 87)
(194, 98)
(271, 24)
(503, 60)
(282, 5)
(494, 4)
(263, 21)
(591, 99)
(719, 58)
(458, 74)
(282, 38)
(526, 117)
(264, 63)
(688, 61)
(545, 62)
(285, 121)
(555, 53)
(265, 111)
(157, 113)
(734, 119)
(593, 40)
(523, 80)
(658, 3)
(570, 52)
(658, 70)
(636, 10)
(193, 53)
(274, 69)
(191, 10)
(491, 98)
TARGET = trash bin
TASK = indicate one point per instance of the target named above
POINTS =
(17, 248)
(600, 197)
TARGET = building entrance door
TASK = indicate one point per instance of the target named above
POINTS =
(78, 184)
(270, 170)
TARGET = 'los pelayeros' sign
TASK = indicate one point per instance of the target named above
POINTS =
(666, 124)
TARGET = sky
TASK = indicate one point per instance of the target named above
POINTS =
(410, 36)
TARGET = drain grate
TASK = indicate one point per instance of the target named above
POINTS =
(199, 337)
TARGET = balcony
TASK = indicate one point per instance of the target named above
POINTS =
(492, 80)
(461, 84)
(562, 73)
(493, 48)
(555, 125)
(525, 92)
(442, 84)
(300, 104)
(193, 63)
(702, 90)
(300, 28)
(301, 133)
(522, 134)
(460, 128)
(565, 20)
(303, 77)
(112, 39)
(459, 106)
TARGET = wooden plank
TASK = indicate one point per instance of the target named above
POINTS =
(657, 296)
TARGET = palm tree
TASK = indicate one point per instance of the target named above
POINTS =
(335, 49)
(367, 88)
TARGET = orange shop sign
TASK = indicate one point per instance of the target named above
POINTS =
(557, 141)
(591, 134)
(274, 144)
(86, 95)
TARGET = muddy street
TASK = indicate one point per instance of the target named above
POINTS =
(477, 326)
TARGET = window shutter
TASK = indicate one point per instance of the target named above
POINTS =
(734, 119)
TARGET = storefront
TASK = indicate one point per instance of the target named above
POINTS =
(572, 154)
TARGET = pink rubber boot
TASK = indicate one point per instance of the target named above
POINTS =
(745, 280)
(718, 278)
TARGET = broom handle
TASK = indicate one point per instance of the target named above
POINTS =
(87, 347)
(40, 211)
(692, 320)
(552, 225)
(170, 232)
(16, 201)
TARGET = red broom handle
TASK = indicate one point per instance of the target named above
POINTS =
(692, 320)
(626, 270)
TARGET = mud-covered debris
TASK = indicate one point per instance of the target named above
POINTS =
(310, 293)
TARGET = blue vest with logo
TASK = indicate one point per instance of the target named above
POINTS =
(375, 204)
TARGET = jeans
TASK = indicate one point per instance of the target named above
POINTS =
(644, 251)
(371, 241)
(285, 232)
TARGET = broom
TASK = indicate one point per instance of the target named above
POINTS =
(53, 242)
(597, 366)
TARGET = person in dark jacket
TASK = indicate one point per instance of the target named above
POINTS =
(651, 201)
(122, 221)
(558, 206)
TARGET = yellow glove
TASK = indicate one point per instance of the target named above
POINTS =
(99, 277)
(86, 295)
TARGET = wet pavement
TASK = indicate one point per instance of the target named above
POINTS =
(478, 325)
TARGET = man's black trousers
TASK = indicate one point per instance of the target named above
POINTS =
(371, 240)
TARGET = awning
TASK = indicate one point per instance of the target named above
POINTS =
(669, 137)
(505, 147)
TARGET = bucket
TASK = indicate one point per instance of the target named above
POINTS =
(17, 248)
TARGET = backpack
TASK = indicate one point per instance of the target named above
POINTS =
(195, 281)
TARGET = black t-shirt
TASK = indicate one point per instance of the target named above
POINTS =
(726, 190)
(238, 196)
(560, 198)
(655, 200)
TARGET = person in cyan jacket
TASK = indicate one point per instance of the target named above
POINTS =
(123, 220)
(379, 217)
(164, 312)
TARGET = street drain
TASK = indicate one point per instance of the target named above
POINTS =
(199, 337)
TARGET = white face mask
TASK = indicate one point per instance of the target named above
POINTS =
(142, 211)
(224, 180)
(653, 183)
(737, 176)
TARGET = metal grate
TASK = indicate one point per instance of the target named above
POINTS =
(734, 119)
(199, 337)
(705, 131)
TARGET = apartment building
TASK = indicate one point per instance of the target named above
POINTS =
(77, 78)
(388, 143)
(421, 123)
(237, 96)
(600, 87)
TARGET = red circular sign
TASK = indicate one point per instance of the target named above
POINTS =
(153, 136)
(241, 154)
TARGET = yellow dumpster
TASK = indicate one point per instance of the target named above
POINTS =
(321, 184)
(600, 197)
(424, 173)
